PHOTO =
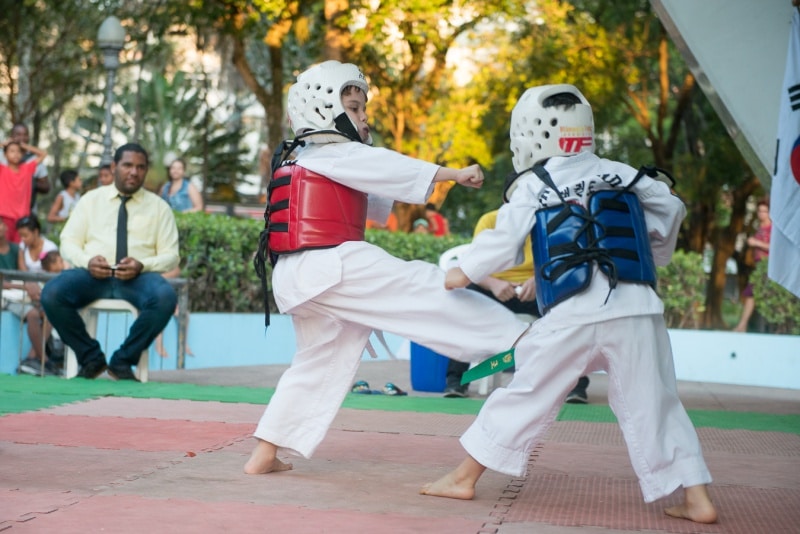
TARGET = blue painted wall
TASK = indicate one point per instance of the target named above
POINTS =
(216, 340)
(225, 340)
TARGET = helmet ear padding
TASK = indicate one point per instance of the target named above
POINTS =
(317, 113)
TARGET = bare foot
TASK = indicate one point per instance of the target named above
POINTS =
(447, 486)
(457, 484)
(263, 460)
(697, 506)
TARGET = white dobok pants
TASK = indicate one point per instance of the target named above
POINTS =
(376, 291)
(642, 392)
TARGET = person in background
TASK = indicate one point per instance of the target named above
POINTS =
(66, 199)
(390, 224)
(420, 226)
(438, 224)
(119, 239)
(9, 252)
(52, 262)
(9, 256)
(181, 195)
(41, 183)
(105, 176)
(33, 247)
(16, 184)
(759, 242)
(159, 342)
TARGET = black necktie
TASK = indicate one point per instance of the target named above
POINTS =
(122, 229)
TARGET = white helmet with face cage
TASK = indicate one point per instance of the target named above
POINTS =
(315, 100)
(539, 132)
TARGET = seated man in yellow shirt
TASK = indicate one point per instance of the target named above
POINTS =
(515, 288)
(119, 238)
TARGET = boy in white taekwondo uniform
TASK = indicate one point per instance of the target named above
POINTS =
(337, 287)
(600, 310)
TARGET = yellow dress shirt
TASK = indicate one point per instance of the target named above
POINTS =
(91, 230)
(519, 273)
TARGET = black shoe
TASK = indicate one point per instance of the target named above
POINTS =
(577, 396)
(93, 368)
(121, 372)
(456, 392)
(30, 366)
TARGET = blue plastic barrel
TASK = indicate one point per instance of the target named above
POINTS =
(428, 369)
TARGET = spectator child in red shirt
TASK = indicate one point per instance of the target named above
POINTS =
(16, 185)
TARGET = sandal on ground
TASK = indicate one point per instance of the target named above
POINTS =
(391, 389)
(361, 387)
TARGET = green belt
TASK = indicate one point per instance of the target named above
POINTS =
(495, 364)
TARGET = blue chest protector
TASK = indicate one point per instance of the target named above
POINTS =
(568, 239)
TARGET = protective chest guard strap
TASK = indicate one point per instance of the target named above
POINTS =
(304, 210)
(567, 239)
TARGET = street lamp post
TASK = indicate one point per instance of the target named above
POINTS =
(110, 39)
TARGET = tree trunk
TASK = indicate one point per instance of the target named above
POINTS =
(723, 242)
(337, 37)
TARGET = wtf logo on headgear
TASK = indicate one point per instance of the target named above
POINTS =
(574, 139)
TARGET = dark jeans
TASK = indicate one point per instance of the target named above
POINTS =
(73, 289)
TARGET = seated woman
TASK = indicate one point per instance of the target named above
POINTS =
(32, 248)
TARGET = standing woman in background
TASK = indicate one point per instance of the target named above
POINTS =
(179, 193)
(759, 242)
(182, 197)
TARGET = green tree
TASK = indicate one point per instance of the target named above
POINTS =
(48, 63)
(175, 121)
(417, 109)
(647, 110)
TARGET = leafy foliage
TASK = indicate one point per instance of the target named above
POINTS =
(681, 286)
(413, 246)
(444, 75)
(217, 253)
(177, 121)
(777, 305)
(217, 256)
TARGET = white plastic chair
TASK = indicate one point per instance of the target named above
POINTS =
(89, 315)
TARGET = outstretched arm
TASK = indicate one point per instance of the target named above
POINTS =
(471, 176)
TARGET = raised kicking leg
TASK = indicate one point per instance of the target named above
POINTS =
(696, 506)
(264, 460)
(458, 483)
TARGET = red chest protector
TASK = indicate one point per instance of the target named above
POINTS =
(308, 211)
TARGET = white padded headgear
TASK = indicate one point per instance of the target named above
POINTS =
(539, 133)
(315, 100)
